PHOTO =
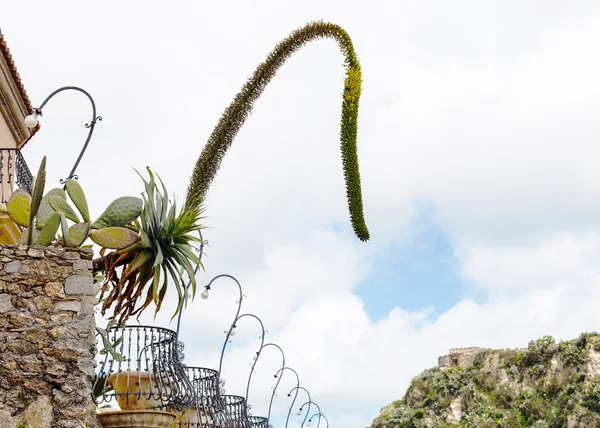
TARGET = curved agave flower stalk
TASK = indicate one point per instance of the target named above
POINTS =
(238, 111)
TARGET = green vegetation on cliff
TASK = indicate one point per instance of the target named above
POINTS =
(547, 385)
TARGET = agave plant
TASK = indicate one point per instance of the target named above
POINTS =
(166, 249)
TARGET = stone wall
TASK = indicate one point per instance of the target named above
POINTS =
(47, 337)
(460, 357)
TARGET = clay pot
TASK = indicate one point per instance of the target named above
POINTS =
(191, 416)
(139, 390)
(135, 419)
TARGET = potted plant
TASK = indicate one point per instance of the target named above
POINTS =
(139, 390)
(135, 419)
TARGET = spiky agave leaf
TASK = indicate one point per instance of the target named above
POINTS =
(167, 240)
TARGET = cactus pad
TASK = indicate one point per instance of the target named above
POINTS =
(38, 189)
(65, 229)
(19, 206)
(120, 212)
(78, 233)
(115, 238)
(49, 230)
(45, 210)
(78, 197)
(63, 206)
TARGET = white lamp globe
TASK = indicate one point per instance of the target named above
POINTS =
(31, 121)
(232, 332)
(204, 294)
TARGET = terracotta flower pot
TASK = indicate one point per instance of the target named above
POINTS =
(191, 416)
(135, 419)
(139, 390)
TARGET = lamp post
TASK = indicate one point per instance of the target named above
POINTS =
(258, 421)
(297, 388)
(281, 370)
(32, 121)
(256, 357)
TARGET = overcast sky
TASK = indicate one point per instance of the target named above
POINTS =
(478, 147)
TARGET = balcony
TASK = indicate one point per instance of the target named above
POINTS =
(13, 171)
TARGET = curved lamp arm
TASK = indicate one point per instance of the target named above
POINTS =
(319, 422)
(281, 370)
(297, 388)
(309, 402)
(258, 354)
(231, 332)
(204, 295)
(32, 121)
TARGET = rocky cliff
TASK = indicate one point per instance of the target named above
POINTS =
(545, 385)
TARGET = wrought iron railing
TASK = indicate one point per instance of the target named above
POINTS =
(13, 169)
(144, 372)
(209, 410)
(237, 409)
(258, 422)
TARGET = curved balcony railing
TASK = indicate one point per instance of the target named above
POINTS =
(209, 409)
(258, 422)
(143, 372)
(236, 407)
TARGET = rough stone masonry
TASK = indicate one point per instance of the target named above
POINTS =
(47, 337)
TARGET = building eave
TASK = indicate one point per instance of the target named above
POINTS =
(14, 102)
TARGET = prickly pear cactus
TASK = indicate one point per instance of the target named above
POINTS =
(60, 205)
(43, 216)
(114, 238)
(78, 197)
(120, 212)
(19, 207)
(49, 230)
(45, 210)
(78, 233)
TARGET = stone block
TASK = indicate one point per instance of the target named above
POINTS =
(35, 253)
(43, 303)
(5, 303)
(55, 289)
(6, 421)
(12, 267)
(69, 305)
(79, 285)
(71, 255)
(39, 414)
(83, 265)
(20, 320)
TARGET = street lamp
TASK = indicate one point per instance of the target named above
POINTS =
(256, 357)
(32, 121)
(297, 389)
(309, 402)
(281, 370)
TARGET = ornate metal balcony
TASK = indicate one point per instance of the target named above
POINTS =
(144, 372)
(236, 407)
(13, 169)
(209, 410)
